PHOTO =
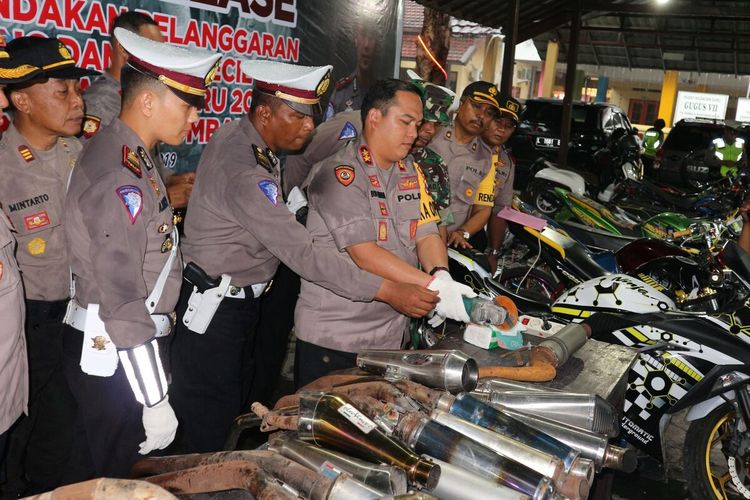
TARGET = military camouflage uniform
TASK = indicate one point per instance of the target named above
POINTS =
(436, 175)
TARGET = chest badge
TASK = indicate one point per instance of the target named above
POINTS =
(99, 343)
(37, 246)
(344, 174)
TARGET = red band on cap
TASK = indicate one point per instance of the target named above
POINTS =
(194, 82)
(272, 88)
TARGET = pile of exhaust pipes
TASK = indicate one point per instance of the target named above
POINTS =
(412, 424)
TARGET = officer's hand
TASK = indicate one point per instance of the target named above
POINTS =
(451, 293)
(412, 300)
(456, 240)
(160, 425)
(179, 187)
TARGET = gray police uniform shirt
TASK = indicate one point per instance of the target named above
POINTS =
(347, 95)
(102, 98)
(328, 138)
(14, 368)
(467, 165)
(238, 223)
(120, 225)
(504, 176)
(32, 194)
(354, 201)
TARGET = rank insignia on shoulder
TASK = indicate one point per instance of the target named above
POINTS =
(401, 165)
(364, 153)
(91, 125)
(26, 153)
(271, 190)
(262, 158)
(132, 198)
(131, 162)
(344, 174)
(348, 132)
(143, 155)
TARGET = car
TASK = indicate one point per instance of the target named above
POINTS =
(681, 161)
(538, 134)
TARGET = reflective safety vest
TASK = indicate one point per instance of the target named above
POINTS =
(729, 152)
(652, 140)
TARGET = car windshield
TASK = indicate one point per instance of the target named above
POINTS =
(584, 119)
(692, 137)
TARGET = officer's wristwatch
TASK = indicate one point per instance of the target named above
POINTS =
(466, 234)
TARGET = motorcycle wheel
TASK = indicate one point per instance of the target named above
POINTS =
(708, 471)
(540, 195)
(533, 280)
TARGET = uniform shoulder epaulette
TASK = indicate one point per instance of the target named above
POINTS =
(25, 153)
(262, 159)
(91, 125)
(344, 82)
(131, 162)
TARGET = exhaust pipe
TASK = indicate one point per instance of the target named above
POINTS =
(426, 436)
(585, 411)
(565, 343)
(591, 445)
(382, 480)
(460, 484)
(330, 420)
(449, 370)
(572, 487)
(487, 416)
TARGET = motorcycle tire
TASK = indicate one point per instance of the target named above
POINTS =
(534, 280)
(707, 468)
(540, 195)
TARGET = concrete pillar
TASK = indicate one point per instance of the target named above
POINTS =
(550, 68)
(668, 96)
(601, 89)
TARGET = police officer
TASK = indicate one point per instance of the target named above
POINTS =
(728, 151)
(277, 307)
(437, 102)
(370, 205)
(37, 154)
(470, 170)
(349, 91)
(496, 135)
(14, 371)
(125, 262)
(102, 99)
(237, 229)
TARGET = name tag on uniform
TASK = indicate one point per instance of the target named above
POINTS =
(99, 354)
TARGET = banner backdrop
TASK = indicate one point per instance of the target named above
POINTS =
(308, 32)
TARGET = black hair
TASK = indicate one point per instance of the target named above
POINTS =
(382, 93)
(132, 21)
(132, 80)
(263, 98)
(660, 124)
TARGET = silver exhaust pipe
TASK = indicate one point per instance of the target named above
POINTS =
(449, 370)
(457, 483)
(379, 480)
(573, 487)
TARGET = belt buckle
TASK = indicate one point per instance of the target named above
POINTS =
(234, 291)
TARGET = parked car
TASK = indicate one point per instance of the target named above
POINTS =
(538, 134)
(682, 159)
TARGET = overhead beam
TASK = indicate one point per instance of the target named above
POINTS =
(673, 9)
(665, 31)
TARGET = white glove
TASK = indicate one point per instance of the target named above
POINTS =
(295, 200)
(160, 425)
(451, 295)
(434, 319)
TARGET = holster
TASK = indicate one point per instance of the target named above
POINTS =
(202, 306)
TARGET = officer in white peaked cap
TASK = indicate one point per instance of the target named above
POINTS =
(125, 262)
(238, 229)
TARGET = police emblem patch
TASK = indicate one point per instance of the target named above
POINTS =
(35, 221)
(348, 132)
(364, 153)
(132, 198)
(144, 157)
(91, 125)
(131, 162)
(37, 246)
(271, 190)
(344, 174)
